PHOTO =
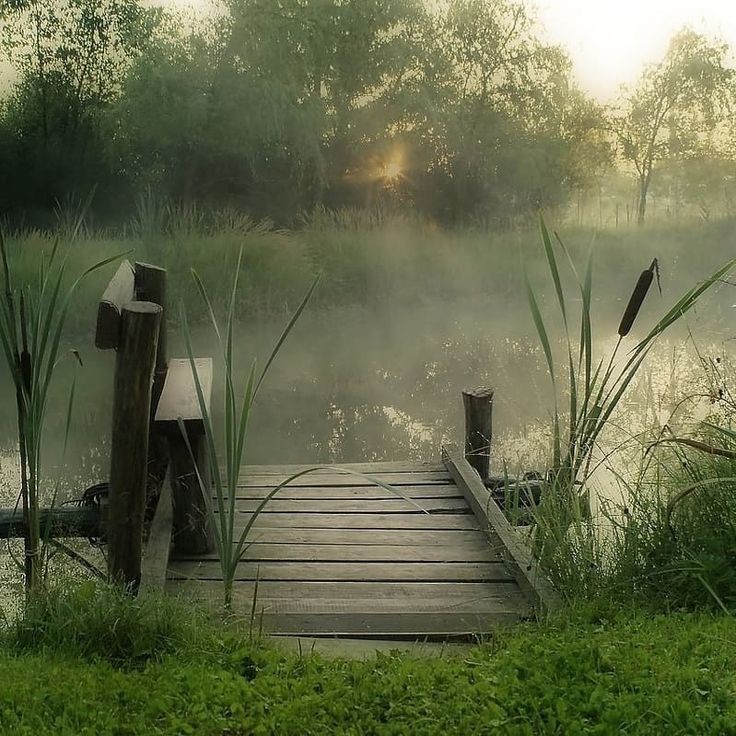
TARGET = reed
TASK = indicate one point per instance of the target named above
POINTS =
(595, 386)
(33, 313)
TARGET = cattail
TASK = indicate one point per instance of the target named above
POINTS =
(637, 299)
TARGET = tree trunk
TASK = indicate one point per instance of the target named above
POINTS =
(641, 205)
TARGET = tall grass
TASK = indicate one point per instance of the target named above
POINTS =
(33, 313)
(592, 387)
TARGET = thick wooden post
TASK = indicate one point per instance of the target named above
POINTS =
(134, 367)
(150, 286)
(478, 403)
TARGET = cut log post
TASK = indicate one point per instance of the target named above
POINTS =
(134, 367)
(478, 403)
(150, 286)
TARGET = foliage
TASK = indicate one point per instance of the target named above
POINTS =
(33, 314)
(676, 103)
(634, 672)
(595, 388)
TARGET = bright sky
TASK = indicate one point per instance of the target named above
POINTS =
(609, 41)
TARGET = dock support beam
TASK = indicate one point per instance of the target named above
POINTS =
(478, 403)
(134, 368)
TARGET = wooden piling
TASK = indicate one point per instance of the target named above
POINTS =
(478, 403)
(134, 368)
(150, 286)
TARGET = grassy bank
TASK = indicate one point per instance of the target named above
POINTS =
(369, 263)
(633, 672)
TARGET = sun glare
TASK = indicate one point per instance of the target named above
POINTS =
(391, 170)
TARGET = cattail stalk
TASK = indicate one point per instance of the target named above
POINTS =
(637, 299)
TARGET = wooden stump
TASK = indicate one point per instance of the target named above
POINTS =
(134, 367)
(478, 405)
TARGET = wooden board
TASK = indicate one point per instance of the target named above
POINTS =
(423, 537)
(438, 490)
(380, 466)
(179, 397)
(364, 521)
(346, 479)
(346, 571)
(356, 506)
(330, 591)
(462, 552)
(500, 597)
(156, 552)
(524, 567)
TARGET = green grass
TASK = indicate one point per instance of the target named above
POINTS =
(628, 672)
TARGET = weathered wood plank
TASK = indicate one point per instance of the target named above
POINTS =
(525, 569)
(346, 571)
(395, 624)
(471, 551)
(347, 479)
(359, 649)
(119, 292)
(511, 601)
(179, 397)
(380, 466)
(422, 537)
(63, 521)
(449, 592)
(445, 490)
(158, 545)
(355, 506)
(365, 521)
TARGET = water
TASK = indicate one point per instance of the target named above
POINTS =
(353, 384)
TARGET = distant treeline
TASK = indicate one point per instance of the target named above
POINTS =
(456, 109)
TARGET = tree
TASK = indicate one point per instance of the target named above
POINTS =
(676, 103)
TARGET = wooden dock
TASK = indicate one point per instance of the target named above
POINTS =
(338, 556)
(333, 554)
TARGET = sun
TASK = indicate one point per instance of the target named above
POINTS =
(391, 170)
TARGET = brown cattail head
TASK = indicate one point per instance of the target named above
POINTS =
(637, 299)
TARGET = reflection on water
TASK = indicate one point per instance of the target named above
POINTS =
(353, 385)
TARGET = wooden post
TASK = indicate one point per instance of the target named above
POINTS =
(150, 286)
(478, 405)
(134, 368)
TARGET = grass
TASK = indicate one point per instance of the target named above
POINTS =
(630, 672)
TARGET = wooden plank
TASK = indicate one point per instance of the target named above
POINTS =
(415, 572)
(445, 490)
(523, 566)
(179, 397)
(156, 552)
(422, 537)
(395, 624)
(463, 552)
(364, 521)
(379, 466)
(346, 479)
(119, 292)
(355, 506)
(451, 593)
(512, 601)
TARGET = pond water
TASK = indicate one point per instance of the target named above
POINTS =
(353, 384)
